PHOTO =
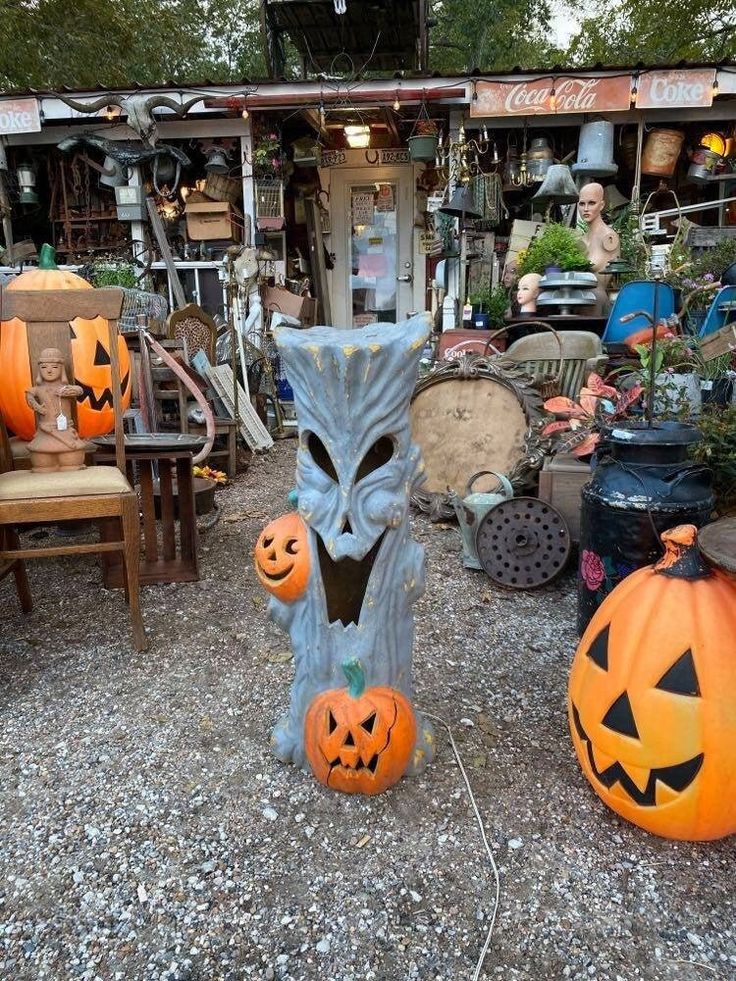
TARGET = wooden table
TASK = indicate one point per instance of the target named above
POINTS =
(717, 542)
(163, 560)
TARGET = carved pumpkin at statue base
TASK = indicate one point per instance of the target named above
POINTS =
(359, 740)
(652, 696)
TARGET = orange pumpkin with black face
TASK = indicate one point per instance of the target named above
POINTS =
(652, 696)
(359, 740)
(282, 557)
(90, 357)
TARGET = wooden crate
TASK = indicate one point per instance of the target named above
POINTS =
(560, 482)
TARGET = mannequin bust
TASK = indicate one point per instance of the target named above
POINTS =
(601, 241)
(56, 445)
(527, 292)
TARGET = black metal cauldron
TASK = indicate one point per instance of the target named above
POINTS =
(643, 481)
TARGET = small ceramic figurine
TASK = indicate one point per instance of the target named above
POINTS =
(56, 445)
(527, 292)
(601, 241)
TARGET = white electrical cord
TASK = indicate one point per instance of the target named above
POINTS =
(479, 819)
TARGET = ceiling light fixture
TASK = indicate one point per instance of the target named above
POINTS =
(358, 137)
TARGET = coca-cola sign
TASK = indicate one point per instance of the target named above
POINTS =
(675, 89)
(547, 96)
(19, 116)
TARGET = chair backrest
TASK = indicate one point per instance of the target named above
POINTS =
(48, 316)
(539, 355)
(192, 324)
(635, 296)
(722, 311)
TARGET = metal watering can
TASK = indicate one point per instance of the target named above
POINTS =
(471, 510)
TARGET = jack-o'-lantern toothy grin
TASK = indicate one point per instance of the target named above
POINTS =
(677, 777)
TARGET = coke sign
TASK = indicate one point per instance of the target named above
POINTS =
(675, 89)
(546, 96)
(19, 116)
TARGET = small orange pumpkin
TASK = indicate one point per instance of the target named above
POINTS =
(90, 356)
(359, 740)
(652, 696)
(282, 557)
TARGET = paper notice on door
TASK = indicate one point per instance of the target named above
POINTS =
(363, 209)
(385, 200)
(363, 319)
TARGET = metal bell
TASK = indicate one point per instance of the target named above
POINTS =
(216, 161)
(463, 206)
(558, 187)
(595, 150)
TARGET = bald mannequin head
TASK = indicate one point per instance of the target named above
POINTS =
(591, 201)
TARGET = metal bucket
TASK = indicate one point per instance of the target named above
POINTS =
(661, 152)
(704, 164)
(643, 481)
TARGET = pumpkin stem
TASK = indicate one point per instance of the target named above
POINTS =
(353, 671)
(682, 558)
(47, 257)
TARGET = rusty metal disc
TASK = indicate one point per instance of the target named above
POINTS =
(523, 543)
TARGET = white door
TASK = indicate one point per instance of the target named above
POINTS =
(372, 219)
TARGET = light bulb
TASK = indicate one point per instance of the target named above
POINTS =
(715, 87)
(397, 104)
(553, 99)
(245, 114)
(110, 113)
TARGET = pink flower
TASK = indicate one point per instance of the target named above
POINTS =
(592, 570)
(275, 163)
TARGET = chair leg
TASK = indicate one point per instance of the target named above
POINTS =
(131, 555)
(19, 571)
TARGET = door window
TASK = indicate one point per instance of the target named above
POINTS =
(373, 252)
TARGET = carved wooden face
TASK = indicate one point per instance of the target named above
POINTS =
(282, 557)
(652, 690)
(360, 744)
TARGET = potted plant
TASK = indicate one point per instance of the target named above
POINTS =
(424, 138)
(577, 428)
(557, 248)
(717, 450)
(676, 378)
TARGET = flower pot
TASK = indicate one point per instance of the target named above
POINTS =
(552, 270)
(423, 148)
(716, 391)
(676, 393)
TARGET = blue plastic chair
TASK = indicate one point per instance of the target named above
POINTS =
(632, 297)
(722, 311)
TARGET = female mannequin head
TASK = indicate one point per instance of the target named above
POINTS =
(527, 292)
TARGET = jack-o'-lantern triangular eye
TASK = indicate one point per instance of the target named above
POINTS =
(598, 650)
(369, 724)
(681, 678)
(331, 723)
(101, 355)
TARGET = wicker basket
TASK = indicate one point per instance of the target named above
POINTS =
(219, 187)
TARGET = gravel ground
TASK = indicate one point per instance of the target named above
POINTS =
(149, 834)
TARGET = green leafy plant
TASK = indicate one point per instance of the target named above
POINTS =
(557, 245)
(113, 274)
(717, 450)
(631, 244)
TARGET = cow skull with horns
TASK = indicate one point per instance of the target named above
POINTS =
(138, 108)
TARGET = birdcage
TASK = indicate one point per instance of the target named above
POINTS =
(269, 205)
(140, 307)
(488, 200)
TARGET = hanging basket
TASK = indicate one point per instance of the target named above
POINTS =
(423, 148)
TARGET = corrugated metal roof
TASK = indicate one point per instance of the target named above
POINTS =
(189, 85)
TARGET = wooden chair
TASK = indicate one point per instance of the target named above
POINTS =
(539, 355)
(96, 493)
(195, 326)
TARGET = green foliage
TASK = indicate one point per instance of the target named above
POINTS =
(655, 31)
(113, 274)
(632, 245)
(494, 302)
(718, 451)
(558, 245)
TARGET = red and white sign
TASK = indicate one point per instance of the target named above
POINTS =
(678, 89)
(546, 96)
(19, 116)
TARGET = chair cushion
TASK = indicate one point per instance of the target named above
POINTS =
(21, 484)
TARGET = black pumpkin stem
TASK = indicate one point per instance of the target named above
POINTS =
(682, 558)
(353, 671)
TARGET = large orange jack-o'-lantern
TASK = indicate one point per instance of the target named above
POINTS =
(282, 557)
(652, 696)
(90, 356)
(359, 740)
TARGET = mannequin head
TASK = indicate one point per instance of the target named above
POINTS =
(591, 202)
(527, 292)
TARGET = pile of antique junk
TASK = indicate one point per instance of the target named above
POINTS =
(581, 404)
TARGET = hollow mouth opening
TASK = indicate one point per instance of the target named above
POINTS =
(345, 582)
